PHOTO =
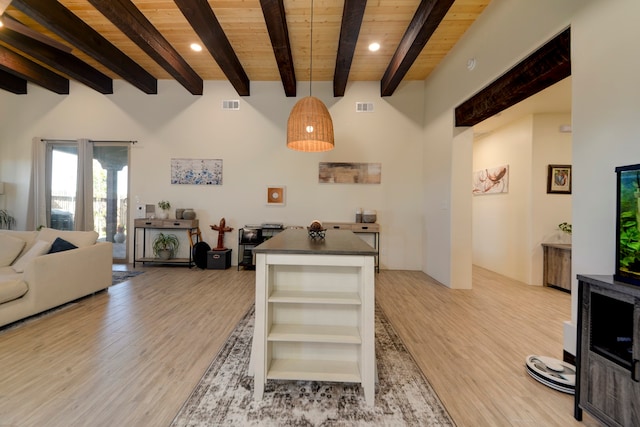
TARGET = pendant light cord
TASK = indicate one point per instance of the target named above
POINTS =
(311, 51)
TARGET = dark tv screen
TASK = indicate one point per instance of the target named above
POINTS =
(251, 236)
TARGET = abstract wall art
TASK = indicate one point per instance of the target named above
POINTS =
(491, 180)
(349, 173)
(196, 171)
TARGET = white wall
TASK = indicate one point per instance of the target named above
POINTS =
(604, 110)
(550, 147)
(502, 221)
(251, 142)
(509, 228)
(505, 33)
(605, 127)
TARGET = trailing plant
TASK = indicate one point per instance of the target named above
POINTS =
(6, 220)
(164, 242)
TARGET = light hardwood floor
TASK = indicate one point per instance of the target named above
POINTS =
(131, 356)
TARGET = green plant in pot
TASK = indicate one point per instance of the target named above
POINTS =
(165, 245)
(6, 220)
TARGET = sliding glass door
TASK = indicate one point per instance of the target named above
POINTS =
(110, 195)
(87, 188)
(62, 159)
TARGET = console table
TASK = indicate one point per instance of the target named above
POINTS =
(189, 225)
(360, 228)
(314, 310)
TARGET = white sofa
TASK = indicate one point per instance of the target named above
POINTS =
(33, 280)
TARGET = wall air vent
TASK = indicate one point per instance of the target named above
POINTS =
(231, 104)
(364, 107)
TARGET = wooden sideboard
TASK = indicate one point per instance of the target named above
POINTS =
(557, 265)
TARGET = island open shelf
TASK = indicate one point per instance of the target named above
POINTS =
(314, 310)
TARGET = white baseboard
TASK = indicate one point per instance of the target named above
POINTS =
(570, 334)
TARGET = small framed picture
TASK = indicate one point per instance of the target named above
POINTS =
(275, 195)
(559, 179)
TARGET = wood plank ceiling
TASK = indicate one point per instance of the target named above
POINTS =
(48, 42)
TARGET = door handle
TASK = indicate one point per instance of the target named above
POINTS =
(634, 370)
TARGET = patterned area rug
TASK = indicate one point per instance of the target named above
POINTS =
(121, 276)
(224, 395)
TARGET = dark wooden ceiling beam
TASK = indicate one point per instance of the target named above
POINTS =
(206, 25)
(57, 18)
(58, 60)
(17, 26)
(128, 18)
(352, 16)
(12, 83)
(23, 68)
(543, 68)
(425, 21)
(276, 20)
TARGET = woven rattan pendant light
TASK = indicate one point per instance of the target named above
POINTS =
(310, 127)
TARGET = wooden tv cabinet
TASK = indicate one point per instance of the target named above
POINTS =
(608, 351)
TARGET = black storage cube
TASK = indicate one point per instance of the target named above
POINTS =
(219, 260)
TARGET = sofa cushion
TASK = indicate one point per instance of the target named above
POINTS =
(10, 248)
(60, 245)
(12, 287)
(40, 247)
(79, 238)
(28, 236)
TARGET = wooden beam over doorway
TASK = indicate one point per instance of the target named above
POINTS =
(543, 68)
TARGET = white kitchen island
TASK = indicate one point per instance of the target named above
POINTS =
(314, 310)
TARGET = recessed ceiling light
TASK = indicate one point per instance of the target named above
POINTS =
(471, 64)
(196, 47)
(373, 47)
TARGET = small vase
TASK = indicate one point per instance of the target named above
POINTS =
(179, 213)
(162, 214)
(189, 214)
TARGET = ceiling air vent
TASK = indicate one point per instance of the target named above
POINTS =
(231, 104)
(364, 107)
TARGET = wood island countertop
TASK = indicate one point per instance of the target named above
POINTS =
(297, 241)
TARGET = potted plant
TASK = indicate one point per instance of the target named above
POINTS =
(164, 209)
(165, 245)
(6, 220)
(566, 229)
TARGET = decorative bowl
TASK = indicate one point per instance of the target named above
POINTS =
(369, 216)
(316, 234)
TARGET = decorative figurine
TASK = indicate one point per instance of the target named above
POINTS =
(221, 229)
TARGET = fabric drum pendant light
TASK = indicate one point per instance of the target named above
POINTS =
(310, 127)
